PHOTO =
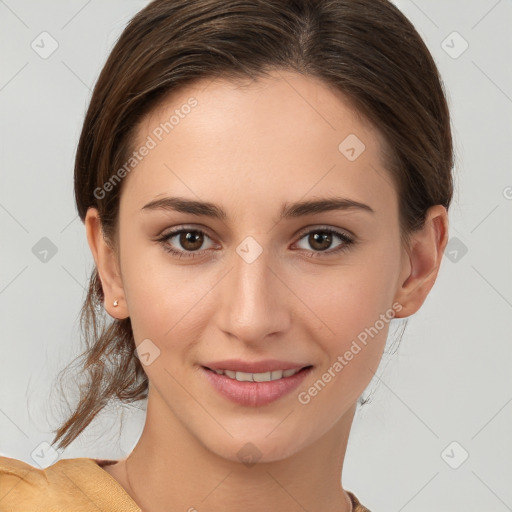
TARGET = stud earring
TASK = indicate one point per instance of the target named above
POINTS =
(115, 303)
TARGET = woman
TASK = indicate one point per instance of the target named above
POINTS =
(264, 186)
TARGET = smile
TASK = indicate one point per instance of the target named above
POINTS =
(254, 389)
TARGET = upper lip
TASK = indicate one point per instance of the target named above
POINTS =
(266, 365)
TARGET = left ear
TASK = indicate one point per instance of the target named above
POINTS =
(421, 261)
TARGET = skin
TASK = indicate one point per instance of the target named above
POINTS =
(249, 150)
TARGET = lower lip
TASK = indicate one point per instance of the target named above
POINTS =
(254, 393)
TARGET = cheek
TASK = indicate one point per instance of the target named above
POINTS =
(155, 296)
(354, 304)
(356, 311)
(162, 307)
(349, 299)
(167, 302)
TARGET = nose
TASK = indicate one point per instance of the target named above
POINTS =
(255, 301)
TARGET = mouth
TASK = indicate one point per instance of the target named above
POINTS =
(255, 389)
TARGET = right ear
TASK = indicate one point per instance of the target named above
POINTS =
(107, 265)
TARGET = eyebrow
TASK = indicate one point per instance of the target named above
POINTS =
(288, 211)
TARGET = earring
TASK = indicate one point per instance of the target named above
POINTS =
(115, 303)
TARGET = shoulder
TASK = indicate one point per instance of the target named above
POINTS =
(17, 476)
(21, 485)
(78, 484)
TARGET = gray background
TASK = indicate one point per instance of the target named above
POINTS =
(445, 395)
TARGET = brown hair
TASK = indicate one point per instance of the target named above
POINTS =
(366, 49)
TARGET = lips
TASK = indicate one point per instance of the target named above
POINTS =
(257, 383)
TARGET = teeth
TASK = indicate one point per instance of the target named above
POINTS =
(244, 377)
(258, 377)
(262, 377)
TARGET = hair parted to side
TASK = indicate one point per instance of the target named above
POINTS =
(366, 49)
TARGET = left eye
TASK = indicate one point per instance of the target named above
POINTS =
(191, 240)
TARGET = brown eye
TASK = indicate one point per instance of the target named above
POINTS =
(320, 241)
(186, 243)
(191, 240)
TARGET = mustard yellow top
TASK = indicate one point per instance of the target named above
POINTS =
(77, 485)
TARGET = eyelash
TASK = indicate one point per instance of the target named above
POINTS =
(347, 242)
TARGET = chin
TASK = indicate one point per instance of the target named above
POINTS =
(258, 448)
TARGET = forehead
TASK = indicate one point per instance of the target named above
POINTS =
(284, 97)
(265, 136)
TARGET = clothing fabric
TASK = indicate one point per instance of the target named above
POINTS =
(78, 484)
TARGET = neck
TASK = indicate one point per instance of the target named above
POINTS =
(176, 472)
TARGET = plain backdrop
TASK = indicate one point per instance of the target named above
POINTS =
(436, 435)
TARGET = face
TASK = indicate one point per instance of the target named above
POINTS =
(314, 288)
